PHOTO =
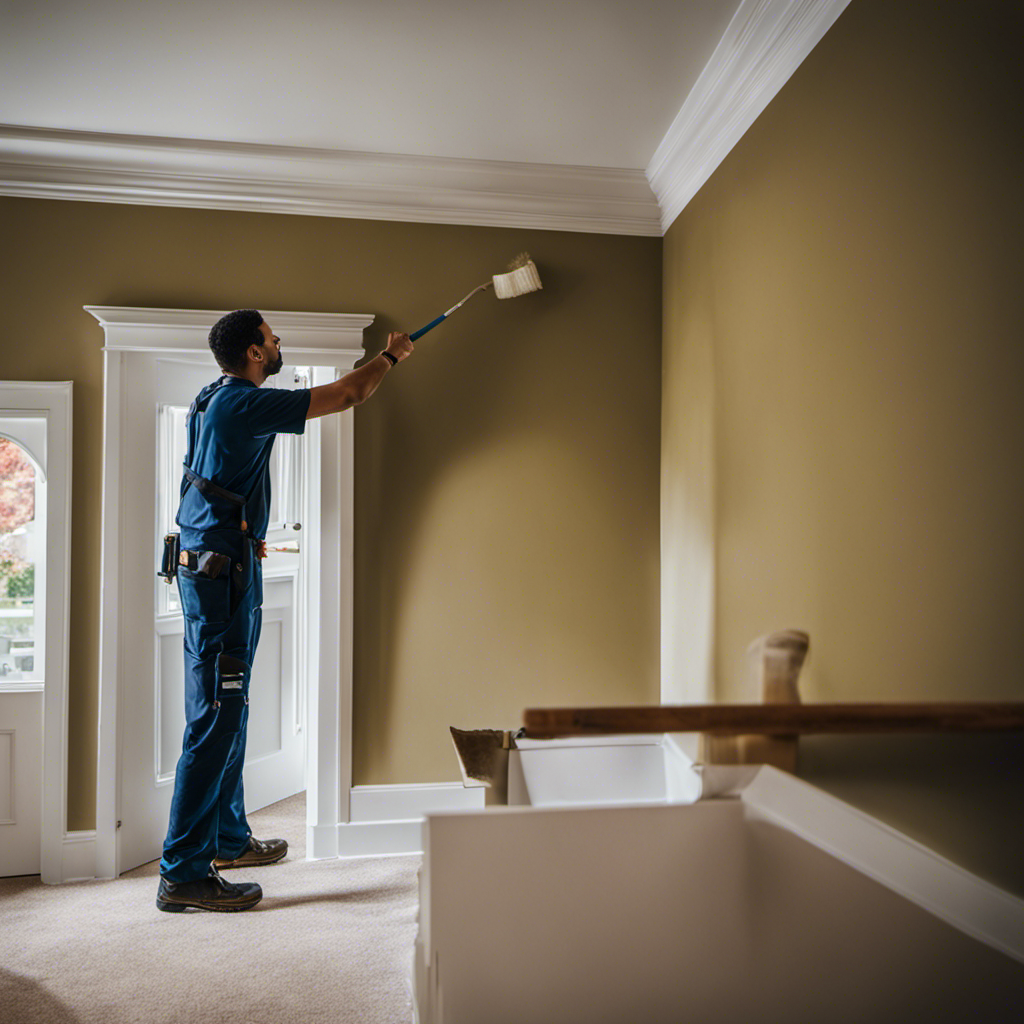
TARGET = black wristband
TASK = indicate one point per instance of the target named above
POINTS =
(391, 359)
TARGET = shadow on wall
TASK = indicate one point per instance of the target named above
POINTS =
(26, 1002)
(511, 386)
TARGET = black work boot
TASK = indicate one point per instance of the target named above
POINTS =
(256, 853)
(209, 893)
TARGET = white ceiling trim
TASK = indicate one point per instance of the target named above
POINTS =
(155, 171)
(766, 41)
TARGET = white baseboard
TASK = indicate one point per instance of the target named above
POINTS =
(78, 856)
(387, 820)
(917, 873)
(380, 838)
(402, 802)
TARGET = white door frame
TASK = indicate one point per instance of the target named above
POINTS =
(331, 342)
(52, 400)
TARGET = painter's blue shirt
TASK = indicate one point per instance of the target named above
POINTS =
(230, 444)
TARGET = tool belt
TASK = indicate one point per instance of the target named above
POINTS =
(206, 563)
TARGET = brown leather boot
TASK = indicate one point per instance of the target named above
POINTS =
(255, 854)
(209, 893)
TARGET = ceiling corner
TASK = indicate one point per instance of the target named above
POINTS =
(764, 44)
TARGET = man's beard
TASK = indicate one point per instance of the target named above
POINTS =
(275, 367)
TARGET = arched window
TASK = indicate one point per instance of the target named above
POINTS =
(22, 560)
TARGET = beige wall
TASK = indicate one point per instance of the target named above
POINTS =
(843, 377)
(506, 475)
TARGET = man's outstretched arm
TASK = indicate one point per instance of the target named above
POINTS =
(357, 386)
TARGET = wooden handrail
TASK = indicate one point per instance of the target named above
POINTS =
(775, 719)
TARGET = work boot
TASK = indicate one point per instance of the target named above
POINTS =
(209, 893)
(255, 854)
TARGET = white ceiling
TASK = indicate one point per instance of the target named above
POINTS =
(580, 82)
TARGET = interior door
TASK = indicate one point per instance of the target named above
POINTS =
(22, 640)
(152, 674)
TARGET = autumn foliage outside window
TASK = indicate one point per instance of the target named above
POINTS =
(17, 558)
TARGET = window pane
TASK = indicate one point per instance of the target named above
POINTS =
(22, 548)
(285, 480)
(172, 445)
(287, 469)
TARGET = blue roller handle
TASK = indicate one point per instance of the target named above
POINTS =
(448, 313)
(430, 326)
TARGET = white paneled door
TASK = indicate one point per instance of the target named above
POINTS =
(21, 773)
(23, 446)
(157, 393)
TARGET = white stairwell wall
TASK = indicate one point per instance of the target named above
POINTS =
(716, 911)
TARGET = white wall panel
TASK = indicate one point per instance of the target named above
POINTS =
(170, 706)
(7, 777)
(272, 678)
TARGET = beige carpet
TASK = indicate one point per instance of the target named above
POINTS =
(330, 941)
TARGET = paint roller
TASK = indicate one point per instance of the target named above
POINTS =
(522, 278)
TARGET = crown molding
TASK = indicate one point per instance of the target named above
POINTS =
(50, 163)
(766, 41)
(311, 336)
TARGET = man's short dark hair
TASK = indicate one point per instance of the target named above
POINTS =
(231, 335)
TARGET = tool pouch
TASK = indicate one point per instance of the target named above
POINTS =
(169, 565)
(232, 696)
(205, 563)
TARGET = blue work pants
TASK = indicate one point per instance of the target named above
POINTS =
(223, 617)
